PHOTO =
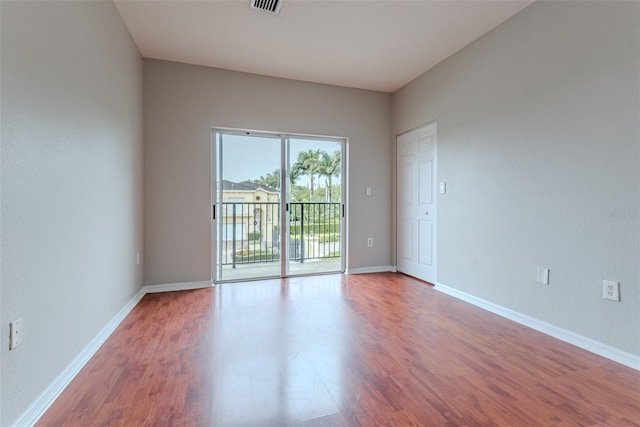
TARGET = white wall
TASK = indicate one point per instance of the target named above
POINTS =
(538, 141)
(71, 185)
(182, 103)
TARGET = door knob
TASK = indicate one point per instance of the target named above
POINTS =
(426, 213)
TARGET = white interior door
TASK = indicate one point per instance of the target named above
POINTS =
(416, 205)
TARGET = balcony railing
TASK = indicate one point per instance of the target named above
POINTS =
(250, 232)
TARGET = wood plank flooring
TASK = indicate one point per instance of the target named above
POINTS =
(358, 350)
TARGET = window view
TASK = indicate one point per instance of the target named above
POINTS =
(251, 196)
(315, 219)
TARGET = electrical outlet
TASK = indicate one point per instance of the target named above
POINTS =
(611, 290)
(137, 258)
(15, 333)
(370, 242)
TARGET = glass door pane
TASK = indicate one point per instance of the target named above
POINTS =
(315, 197)
(248, 206)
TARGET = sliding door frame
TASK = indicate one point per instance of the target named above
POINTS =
(285, 195)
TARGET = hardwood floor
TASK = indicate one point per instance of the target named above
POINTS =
(357, 350)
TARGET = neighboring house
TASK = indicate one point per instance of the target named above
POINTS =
(249, 208)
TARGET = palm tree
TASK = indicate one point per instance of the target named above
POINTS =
(271, 180)
(294, 174)
(329, 167)
(307, 164)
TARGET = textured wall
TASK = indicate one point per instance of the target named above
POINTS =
(71, 185)
(539, 143)
(181, 105)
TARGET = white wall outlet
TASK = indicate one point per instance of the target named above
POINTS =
(137, 258)
(15, 333)
(368, 191)
(543, 275)
(611, 290)
(370, 242)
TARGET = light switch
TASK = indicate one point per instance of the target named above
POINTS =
(15, 333)
(543, 275)
(367, 191)
(443, 187)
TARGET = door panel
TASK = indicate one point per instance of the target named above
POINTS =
(425, 143)
(248, 199)
(315, 198)
(417, 203)
(425, 248)
(408, 182)
(425, 182)
(407, 149)
(406, 243)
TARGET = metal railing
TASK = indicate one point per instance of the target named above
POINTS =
(250, 232)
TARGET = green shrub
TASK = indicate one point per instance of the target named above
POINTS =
(318, 228)
(329, 237)
(324, 237)
(251, 256)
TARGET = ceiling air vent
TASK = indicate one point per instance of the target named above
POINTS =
(270, 6)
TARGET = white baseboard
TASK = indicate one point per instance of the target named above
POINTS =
(588, 344)
(33, 413)
(377, 269)
(39, 406)
(170, 287)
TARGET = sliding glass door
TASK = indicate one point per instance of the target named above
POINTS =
(248, 206)
(315, 205)
(278, 205)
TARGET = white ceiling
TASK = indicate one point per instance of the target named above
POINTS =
(378, 45)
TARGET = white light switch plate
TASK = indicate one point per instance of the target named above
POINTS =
(15, 333)
(543, 275)
(443, 187)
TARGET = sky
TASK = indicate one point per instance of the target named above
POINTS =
(250, 157)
